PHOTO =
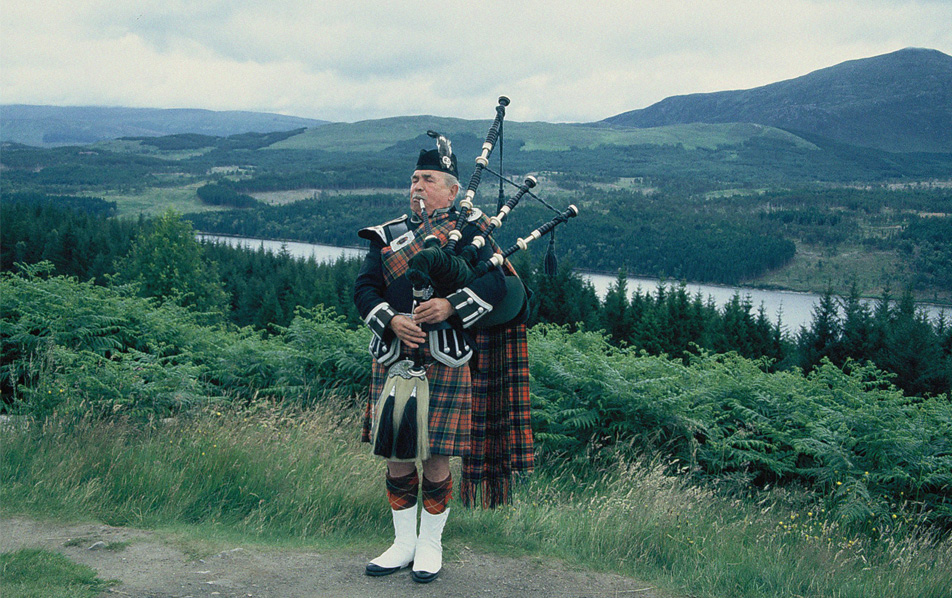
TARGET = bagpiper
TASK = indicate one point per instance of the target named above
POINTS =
(450, 369)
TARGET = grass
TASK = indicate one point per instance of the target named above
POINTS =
(37, 573)
(302, 479)
(115, 546)
(293, 195)
(155, 201)
(813, 269)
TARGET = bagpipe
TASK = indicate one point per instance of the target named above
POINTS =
(400, 426)
(443, 266)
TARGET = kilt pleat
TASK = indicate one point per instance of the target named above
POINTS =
(501, 438)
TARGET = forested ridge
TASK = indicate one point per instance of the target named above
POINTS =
(739, 212)
(697, 245)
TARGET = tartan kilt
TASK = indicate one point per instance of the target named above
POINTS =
(450, 405)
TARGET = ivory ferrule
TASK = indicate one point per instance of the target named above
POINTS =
(496, 221)
(487, 148)
(523, 243)
(535, 234)
(504, 211)
(497, 260)
(455, 235)
(479, 242)
(470, 194)
(483, 161)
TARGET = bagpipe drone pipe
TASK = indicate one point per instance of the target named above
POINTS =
(444, 266)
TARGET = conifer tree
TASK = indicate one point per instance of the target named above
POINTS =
(822, 338)
(857, 336)
(616, 319)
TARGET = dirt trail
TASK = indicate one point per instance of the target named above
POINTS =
(150, 567)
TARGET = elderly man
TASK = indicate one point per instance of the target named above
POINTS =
(440, 327)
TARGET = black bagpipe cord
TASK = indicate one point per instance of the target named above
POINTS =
(502, 195)
(550, 264)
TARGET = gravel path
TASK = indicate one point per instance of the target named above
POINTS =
(151, 567)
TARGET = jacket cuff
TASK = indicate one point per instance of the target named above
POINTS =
(379, 318)
(469, 306)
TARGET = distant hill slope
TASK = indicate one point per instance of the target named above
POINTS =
(378, 135)
(48, 126)
(899, 102)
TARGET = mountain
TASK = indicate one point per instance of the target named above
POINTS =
(898, 102)
(49, 126)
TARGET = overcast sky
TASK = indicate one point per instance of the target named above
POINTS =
(348, 61)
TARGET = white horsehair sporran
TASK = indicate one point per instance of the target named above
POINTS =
(402, 413)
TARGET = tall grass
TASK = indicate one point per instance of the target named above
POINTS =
(274, 476)
(258, 472)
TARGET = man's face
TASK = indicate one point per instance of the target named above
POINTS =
(430, 185)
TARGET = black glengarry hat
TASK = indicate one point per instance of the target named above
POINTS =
(434, 160)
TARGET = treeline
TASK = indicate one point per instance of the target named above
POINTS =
(68, 169)
(682, 229)
(893, 335)
(752, 164)
(72, 233)
(928, 244)
(660, 237)
(675, 169)
(671, 321)
(223, 193)
(162, 256)
(194, 141)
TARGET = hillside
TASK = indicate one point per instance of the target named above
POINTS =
(898, 102)
(48, 126)
(378, 135)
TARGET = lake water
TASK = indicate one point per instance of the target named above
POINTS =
(794, 309)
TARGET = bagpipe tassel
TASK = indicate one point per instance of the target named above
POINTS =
(551, 264)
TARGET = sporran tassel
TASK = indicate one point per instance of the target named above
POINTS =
(401, 424)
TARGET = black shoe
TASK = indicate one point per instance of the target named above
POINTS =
(423, 576)
(378, 571)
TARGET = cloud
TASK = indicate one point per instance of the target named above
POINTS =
(567, 62)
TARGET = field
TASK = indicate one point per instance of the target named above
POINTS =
(814, 268)
(153, 201)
